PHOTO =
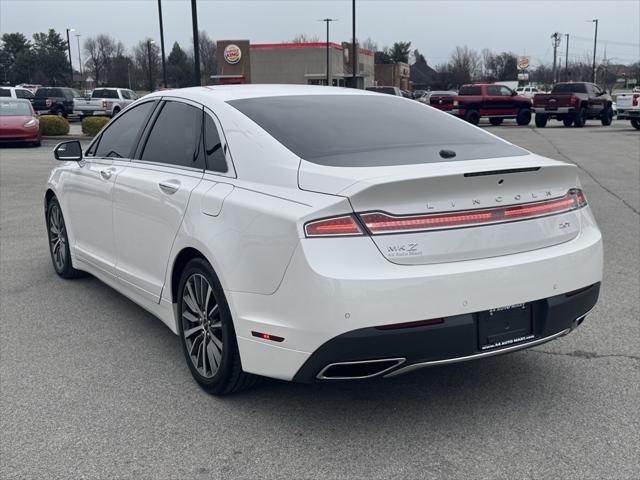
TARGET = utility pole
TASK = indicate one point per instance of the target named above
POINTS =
(149, 42)
(556, 43)
(354, 47)
(164, 64)
(196, 43)
(328, 21)
(595, 43)
(69, 48)
(80, 61)
(566, 59)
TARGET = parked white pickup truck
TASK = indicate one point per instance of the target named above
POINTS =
(104, 101)
(629, 107)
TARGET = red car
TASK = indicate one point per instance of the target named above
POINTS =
(493, 101)
(18, 122)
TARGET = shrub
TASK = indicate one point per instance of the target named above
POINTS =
(53, 125)
(92, 125)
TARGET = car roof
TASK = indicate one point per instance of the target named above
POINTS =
(225, 93)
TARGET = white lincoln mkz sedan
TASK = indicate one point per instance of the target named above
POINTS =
(316, 233)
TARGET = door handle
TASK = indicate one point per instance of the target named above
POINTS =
(169, 186)
(106, 173)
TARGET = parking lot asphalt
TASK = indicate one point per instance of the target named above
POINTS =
(92, 386)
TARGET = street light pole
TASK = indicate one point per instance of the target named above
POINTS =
(149, 42)
(80, 61)
(566, 59)
(69, 49)
(595, 42)
(164, 65)
(354, 47)
(196, 43)
(327, 21)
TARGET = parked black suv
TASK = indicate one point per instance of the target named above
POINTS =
(55, 100)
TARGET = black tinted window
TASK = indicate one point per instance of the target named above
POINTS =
(5, 92)
(175, 136)
(493, 90)
(42, 92)
(24, 94)
(103, 93)
(569, 88)
(470, 90)
(118, 140)
(213, 147)
(368, 130)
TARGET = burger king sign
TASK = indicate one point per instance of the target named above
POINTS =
(232, 54)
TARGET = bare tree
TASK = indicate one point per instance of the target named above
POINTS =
(141, 57)
(465, 65)
(94, 61)
(303, 38)
(208, 60)
(369, 44)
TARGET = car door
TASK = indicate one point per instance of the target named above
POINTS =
(151, 196)
(597, 100)
(89, 189)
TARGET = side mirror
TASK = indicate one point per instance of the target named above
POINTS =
(68, 151)
(513, 93)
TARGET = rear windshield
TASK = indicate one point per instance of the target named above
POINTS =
(369, 130)
(387, 90)
(14, 108)
(470, 90)
(569, 88)
(103, 93)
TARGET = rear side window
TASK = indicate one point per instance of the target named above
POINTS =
(5, 92)
(214, 152)
(119, 140)
(359, 130)
(175, 136)
(470, 90)
(42, 92)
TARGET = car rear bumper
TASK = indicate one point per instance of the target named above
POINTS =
(628, 114)
(334, 286)
(454, 340)
(554, 111)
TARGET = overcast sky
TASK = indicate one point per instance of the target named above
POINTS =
(433, 27)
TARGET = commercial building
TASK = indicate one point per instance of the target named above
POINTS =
(393, 75)
(239, 61)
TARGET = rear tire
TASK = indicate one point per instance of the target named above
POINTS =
(206, 331)
(472, 116)
(607, 117)
(115, 112)
(496, 121)
(524, 117)
(580, 118)
(567, 121)
(59, 242)
(541, 120)
(635, 123)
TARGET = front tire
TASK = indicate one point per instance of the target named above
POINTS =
(473, 117)
(541, 120)
(607, 117)
(524, 117)
(59, 242)
(567, 121)
(635, 123)
(580, 118)
(206, 332)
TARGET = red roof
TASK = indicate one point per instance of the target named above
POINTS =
(362, 51)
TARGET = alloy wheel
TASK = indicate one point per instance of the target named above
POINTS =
(202, 325)
(57, 237)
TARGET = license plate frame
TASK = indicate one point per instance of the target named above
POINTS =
(505, 326)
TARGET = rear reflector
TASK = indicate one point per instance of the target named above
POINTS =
(419, 323)
(331, 227)
(267, 336)
(378, 222)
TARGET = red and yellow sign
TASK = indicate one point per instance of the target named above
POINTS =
(232, 54)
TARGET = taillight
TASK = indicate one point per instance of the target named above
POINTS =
(379, 223)
(342, 226)
(104, 104)
(635, 100)
(573, 100)
(455, 103)
(47, 102)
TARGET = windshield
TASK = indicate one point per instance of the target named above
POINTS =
(14, 109)
(369, 130)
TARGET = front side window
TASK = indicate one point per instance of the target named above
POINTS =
(23, 93)
(504, 91)
(493, 90)
(5, 92)
(214, 151)
(176, 136)
(119, 139)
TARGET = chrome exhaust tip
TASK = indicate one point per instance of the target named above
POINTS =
(358, 370)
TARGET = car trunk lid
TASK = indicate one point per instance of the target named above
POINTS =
(453, 211)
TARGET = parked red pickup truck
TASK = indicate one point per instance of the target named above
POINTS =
(573, 103)
(491, 100)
